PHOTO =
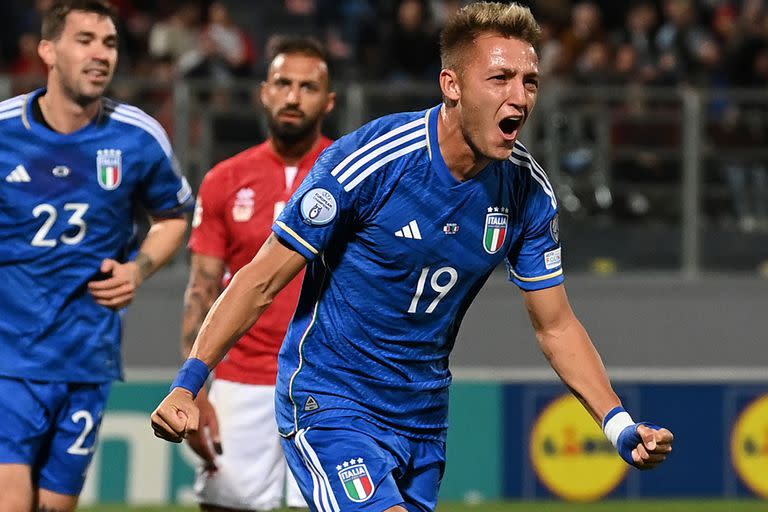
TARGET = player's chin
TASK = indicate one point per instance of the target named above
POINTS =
(93, 90)
(500, 152)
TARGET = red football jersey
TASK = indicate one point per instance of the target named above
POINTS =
(237, 204)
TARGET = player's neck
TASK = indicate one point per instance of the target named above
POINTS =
(65, 115)
(463, 162)
(294, 152)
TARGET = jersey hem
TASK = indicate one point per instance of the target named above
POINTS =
(294, 240)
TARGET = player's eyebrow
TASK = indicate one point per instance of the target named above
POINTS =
(92, 35)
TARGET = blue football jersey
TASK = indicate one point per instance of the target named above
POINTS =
(66, 203)
(398, 250)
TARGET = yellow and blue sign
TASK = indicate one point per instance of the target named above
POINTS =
(749, 446)
(570, 454)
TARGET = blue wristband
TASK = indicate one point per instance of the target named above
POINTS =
(191, 376)
(629, 438)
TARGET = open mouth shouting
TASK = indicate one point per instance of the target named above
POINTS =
(510, 127)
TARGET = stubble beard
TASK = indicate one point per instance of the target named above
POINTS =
(74, 92)
(290, 134)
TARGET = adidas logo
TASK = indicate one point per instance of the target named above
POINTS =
(409, 231)
(18, 175)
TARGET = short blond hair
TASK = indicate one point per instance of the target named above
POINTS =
(469, 22)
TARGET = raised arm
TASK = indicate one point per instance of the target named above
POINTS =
(566, 345)
(570, 352)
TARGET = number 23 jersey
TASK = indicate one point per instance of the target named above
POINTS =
(66, 203)
(398, 250)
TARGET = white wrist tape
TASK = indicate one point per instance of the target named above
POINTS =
(616, 424)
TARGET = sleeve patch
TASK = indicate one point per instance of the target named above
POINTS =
(552, 259)
(318, 207)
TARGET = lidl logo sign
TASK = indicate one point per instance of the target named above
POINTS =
(749, 446)
(571, 455)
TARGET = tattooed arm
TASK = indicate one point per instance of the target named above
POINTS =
(203, 288)
(246, 297)
(118, 288)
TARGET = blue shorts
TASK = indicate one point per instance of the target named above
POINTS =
(52, 427)
(360, 466)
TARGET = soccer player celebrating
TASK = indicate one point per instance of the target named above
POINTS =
(76, 166)
(402, 221)
(243, 466)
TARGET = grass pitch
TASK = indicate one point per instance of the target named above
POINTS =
(538, 506)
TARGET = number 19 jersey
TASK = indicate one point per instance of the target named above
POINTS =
(398, 249)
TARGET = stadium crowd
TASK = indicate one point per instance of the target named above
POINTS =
(639, 44)
(661, 42)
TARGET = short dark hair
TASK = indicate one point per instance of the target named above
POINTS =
(507, 20)
(303, 45)
(56, 16)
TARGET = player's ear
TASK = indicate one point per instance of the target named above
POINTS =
(330, 102)
(449, 84)
(46, 53)
(263, 94)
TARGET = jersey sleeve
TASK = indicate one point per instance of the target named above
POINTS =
(535, 263)
(209, 233)
(165, 191)
(322, 209)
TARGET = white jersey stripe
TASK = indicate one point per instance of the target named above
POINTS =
(521, 152)
(11, 103)
(535, 175)
(317, 484)
(392, 156)
(147, 123)
(426, 122)
(404, 128)
(383, 149)
(536, 167)
(315, 461)
(10, 113)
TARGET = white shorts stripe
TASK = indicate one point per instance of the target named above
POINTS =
(316, 485)
(404, 128)
(383, 149)
(314, 463)
(393, 156)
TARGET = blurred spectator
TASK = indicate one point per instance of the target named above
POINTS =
(28, 63)
(412, 45)
(595, 65)
(549, 48)
(176, 35)
(687, 51)
(585, 28)
(635, 42)
(305, 17)
(223, 51)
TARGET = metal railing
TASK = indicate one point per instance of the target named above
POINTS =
(655, 169)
